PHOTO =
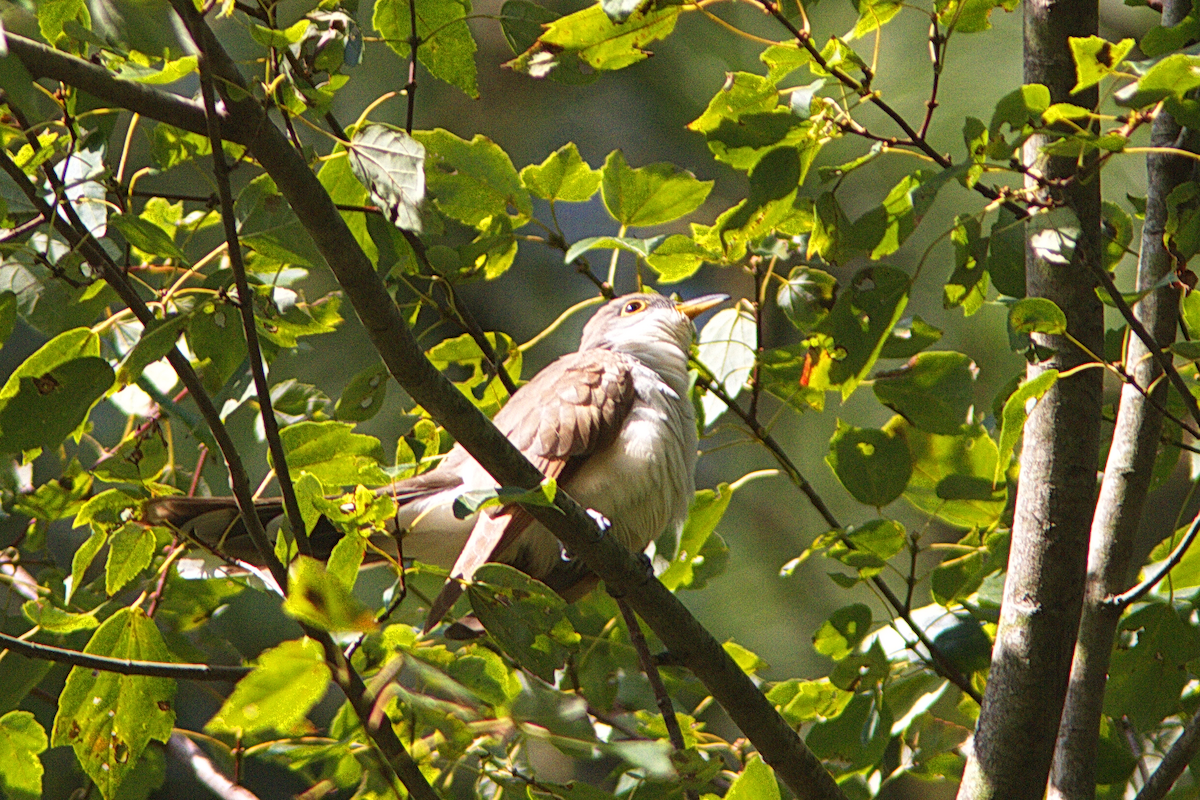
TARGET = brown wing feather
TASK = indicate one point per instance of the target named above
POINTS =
(569, 410)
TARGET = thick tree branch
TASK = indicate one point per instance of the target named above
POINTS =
(1127, 474)
(1043, 592)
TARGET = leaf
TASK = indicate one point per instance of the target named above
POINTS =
(471, 181)
(872, 464)
(155, 342)
(22, 739)
(472, 502)
(858, 736)
(728, 344)
(525, 617)
(866, 548)
(333, 453)
(756, 782)
(909, 338)
(807, 296)
(564, 176)
(285, 684)
(447, 47)
(1021, 107)
(841, 633)
(51, 406)
(1172, 77)
(363, 396)
(318, 598)
(967, 285)
(110, 718)
(148, 237)
(597, 40)
(1037, 315)
(8, 315)
(687, 568)
(1096, 59)
(879, 294)
(640, 247)
(130, 550)
(1052, 235)
(650, 195)
(803, 701)
(882, 230)
(1147, 679)
(774, 180)
(873, 15)
(1006, 254)
(679, 257)
(933, 391)
(743, 93)
(1016, 411)
(391, 164)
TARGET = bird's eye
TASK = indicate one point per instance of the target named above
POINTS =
(633, 307)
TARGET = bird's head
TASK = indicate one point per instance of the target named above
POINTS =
(654, 329)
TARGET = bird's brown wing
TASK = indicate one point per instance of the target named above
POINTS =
(571, 409)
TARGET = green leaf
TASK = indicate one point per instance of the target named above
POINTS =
(909, 338)
(215, 335)
(639, 247)
(1016, 411)
(774, 180)
(270, 227)
(679, 257)
(564, 176)
(472, 502)
(333, 453)
(110, 718)
(273, 37)
(1172, 77)
(525, 617)
(156, 341)
(807, 296)
(839, 635)
(940, 461)
(933, 391)
(872, 464)
(880, 294)
(967, 285)
(728, 344)
(286, 683)
(53, 619)
(471, 181)
(1146, 680)
(52, 16)
(867, 548)
(597, 40)
(1021, 107)
(882, 230)
(1096, 58)
(48, 408)
(130, 550)
(8, 315)
(1037, 315)
(83, 558)
(1162, 40)
(21, 740)
(687, 568)
(363, 396)
(783, 59)
(970, 16)
(147, 236)
(447, 47)
(756, 782)
(743, 93)
(650, 195)
(391, 164)
(1006, 254)
(319, 599)
(873, 15)
(858, 736)
(804, 701)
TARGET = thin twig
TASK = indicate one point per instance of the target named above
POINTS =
(123, 666)
(291, 507)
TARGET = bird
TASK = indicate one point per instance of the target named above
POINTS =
(611, 423)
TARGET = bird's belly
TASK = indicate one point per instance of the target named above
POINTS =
(642, 483)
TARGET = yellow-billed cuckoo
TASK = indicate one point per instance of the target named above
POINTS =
(612, 423)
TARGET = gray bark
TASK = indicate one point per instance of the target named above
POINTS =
(1126, 476)
(1031, 660)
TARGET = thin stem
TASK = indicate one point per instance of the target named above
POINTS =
(123, 666)
(1131, 596)
(245, 304)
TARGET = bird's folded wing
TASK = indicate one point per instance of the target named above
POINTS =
(571, 409)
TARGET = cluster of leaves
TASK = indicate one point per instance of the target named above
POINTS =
(432, 210)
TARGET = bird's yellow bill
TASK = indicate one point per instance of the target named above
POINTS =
(694, 308)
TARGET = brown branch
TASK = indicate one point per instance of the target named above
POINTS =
(123, 666)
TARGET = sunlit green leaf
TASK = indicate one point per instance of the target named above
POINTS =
(1016, 411)
(318, 598)
(447, 47)
(110, 718)
(934, 391)
(22, 739)
(286, 683)
(563, 176)
(872, 464)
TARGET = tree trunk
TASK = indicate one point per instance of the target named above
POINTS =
(1127, 474)
(1043, 592)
